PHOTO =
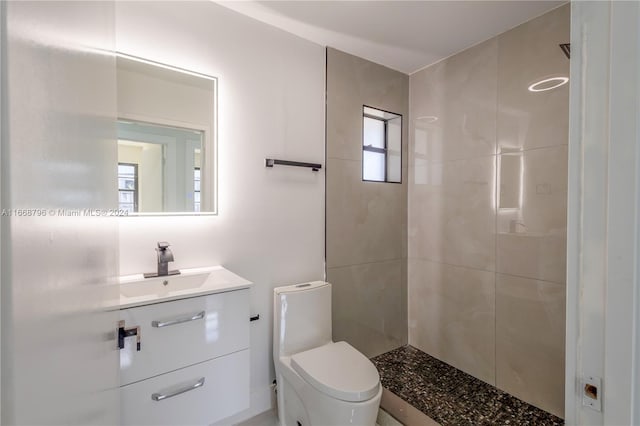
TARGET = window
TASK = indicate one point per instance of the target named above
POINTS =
(128, 187)
(196, 189)
(381, 146)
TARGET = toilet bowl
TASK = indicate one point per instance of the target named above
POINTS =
(320, 382)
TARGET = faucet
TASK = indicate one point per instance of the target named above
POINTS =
(164, 257)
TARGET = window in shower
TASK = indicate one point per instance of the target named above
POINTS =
(381, 145)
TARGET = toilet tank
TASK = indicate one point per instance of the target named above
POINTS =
(302, 317)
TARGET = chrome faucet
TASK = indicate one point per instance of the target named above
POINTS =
(164, 257)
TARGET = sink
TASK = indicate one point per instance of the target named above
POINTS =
(162, 286)
(135, 290)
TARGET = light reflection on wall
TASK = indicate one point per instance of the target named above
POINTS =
(510, 180)
(510, 190)
(548, 84)
(426, 144)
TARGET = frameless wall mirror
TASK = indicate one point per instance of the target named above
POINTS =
(166, 139)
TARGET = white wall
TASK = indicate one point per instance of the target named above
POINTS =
(59, 354)
(270, 226)
(603, 285)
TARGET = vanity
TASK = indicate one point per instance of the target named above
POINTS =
(183, 335)
(184, 340)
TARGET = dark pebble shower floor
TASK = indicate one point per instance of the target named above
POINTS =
(450, 396)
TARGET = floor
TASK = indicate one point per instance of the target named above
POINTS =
(450, 396)
(270, 418)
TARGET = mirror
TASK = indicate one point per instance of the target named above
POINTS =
(166, 139)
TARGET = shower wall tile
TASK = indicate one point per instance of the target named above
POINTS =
(353, 82)
(454, 115)
(366, 222)
(405, 298)
(537, 256)
(527, 54)
(364, 219)
(532, 238)
(471, 223)
(530, 323)
(368, 306)
(452, 314)
(404, 234)
(452, 214)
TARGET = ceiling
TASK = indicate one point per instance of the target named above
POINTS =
(403, 35)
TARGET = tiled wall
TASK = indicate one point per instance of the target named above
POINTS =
(366, 221)
(486, 283)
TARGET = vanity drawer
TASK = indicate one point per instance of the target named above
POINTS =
(180, 333)
(203, 393)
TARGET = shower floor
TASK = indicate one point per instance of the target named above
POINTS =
(450, 396)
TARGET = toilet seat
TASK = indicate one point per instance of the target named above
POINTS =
(338, 370)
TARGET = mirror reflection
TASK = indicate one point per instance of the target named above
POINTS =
(510, 180)
(166, 142)
(159, 168)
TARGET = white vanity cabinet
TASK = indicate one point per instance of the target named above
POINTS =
(193, 364)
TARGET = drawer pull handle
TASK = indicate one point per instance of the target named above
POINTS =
(188, 318)
(162, 396)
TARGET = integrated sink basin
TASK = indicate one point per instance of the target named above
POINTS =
(135, 290)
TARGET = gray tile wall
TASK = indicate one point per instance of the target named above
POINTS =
(366, 221)
(486, 285)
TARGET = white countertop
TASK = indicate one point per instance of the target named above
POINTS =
(135, 290)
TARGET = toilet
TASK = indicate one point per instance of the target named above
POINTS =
(319, 382)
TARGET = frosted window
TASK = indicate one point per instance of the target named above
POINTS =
(374, 132)
(373, 166)
(381, 146)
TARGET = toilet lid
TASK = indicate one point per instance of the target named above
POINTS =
(338, 370)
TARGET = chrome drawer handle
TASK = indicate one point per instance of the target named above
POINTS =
(161, 396)
(192, 317)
